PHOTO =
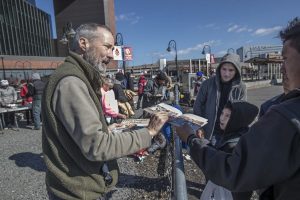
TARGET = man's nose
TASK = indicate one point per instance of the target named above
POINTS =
(110, 54)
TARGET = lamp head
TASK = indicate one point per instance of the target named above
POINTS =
(64, 39)
(168, 49)
(71, 33)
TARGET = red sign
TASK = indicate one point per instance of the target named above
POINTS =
(127, 53)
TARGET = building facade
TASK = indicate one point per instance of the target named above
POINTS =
(247, 52)
(25, 30)
(17, 68)
(77, 12)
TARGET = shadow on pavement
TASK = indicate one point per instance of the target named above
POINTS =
(28, 159)
(148, 184)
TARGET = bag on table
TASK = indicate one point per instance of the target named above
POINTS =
(126, 109)
(215, 192)
(129, 94)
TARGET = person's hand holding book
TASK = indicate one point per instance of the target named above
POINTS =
(157, 121)
(184, 132)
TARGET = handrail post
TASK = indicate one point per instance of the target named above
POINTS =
(180, 191)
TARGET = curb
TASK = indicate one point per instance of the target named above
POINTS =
(259, 84)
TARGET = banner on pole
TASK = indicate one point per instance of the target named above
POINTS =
(117, 53)
(212, 58)
(207, 57)
(127, 53)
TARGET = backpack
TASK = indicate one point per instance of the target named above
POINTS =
(141, 86)
(30, 92)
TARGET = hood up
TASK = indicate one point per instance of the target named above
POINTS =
(233, 59)
(242, 115)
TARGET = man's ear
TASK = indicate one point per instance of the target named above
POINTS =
(83, 44)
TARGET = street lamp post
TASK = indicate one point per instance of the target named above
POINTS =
(23, 67)
(68, 35)
(29, 68)
(178, 166)
(3, 68)
(172, 44)
(119, 42)
(204, 52)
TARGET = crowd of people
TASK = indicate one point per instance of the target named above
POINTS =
(27, 93)
(81, 106)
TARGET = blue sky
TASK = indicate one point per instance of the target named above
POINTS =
(148, 25)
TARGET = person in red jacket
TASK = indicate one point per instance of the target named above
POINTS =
(26, 100)
(24, 94)
(141, 86)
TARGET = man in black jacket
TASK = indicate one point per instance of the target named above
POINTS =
(268, 155)
(153, 91)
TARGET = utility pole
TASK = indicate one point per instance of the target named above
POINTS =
(3, 68)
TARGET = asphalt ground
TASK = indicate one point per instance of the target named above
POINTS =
(22, 171)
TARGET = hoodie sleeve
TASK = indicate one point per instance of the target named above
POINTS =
(272, 147)
(201, 99)
(239, 92)
(148, 87)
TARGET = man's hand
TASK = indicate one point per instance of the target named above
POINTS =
(157, 121)
(113, 126)
(184, 132)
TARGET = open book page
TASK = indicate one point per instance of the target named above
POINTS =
(176, 116)
(136, 122)
(162, 107)
(193, 120)
(128, 124)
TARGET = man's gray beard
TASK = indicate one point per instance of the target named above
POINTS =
(90, 57)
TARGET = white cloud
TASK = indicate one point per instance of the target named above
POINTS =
(198, 47)
(186, 51)
(241, 29)
(212, 26)
(232, 28)
(266, 31)
(132, 18)
(238, 29)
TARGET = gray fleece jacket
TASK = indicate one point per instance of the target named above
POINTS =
(207, 101)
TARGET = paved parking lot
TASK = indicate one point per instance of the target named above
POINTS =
(21, 164)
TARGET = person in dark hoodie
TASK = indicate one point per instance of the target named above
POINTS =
(123, 101)
(216, 91)
(267, 156)
(153, 94)
(153, 90)
(234, 122)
